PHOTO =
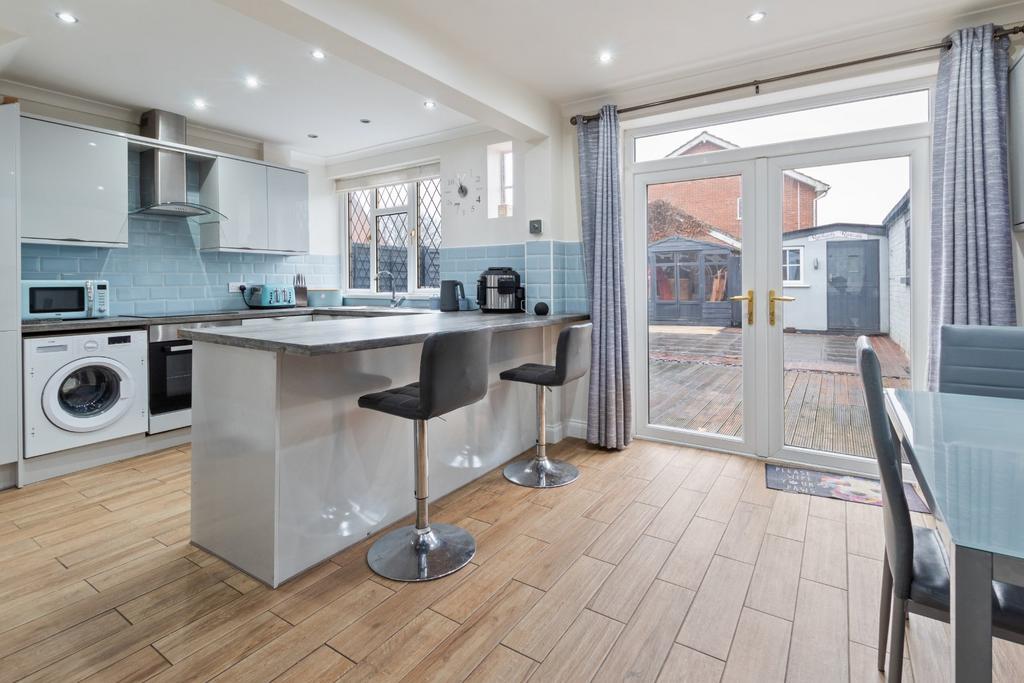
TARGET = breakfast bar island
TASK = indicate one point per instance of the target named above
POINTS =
(287, 470)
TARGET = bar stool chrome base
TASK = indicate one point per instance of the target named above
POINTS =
(541, 474)
(407, 555)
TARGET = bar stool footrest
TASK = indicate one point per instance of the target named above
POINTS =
(540, 474)
(395, 555)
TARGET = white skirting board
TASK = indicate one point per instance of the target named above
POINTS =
(66, 462)
(8, 475)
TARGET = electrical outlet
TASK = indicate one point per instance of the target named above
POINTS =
(235, 286)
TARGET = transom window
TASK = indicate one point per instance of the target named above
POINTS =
(793, 266)
(394, 234)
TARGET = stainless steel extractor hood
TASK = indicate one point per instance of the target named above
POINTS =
(162, 171)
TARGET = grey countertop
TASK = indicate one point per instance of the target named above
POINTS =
(30, 327)
(336, 336)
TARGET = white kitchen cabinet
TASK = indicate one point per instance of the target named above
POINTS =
(74, 184)
(10, 318)
(237, 189)
(10, 261)
(288, 210)
(10, 398)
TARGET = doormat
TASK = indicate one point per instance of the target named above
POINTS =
(838, 486)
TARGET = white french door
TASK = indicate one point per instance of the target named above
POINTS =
(696, 278)
(747, 302)
(846, 279)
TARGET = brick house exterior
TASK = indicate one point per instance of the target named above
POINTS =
(716, 201)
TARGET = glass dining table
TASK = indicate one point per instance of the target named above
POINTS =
(967, 453)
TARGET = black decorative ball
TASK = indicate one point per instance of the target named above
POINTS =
(541, 308)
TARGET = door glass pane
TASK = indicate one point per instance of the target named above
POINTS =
(694, 244)
(845, 241)
(89, 391)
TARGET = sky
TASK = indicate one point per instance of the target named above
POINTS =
(861, 192)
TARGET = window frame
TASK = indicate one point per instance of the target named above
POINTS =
(785, 266)
(411, 210)
(504, 183)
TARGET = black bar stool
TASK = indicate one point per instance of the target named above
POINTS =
(453, 374)
(572, 360)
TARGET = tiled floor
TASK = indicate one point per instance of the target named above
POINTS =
(660, 563)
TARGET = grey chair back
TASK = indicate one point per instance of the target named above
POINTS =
(572, 355)
(899, 531)
(453, 371)
(982, 360)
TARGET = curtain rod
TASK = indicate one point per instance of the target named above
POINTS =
(757, 83)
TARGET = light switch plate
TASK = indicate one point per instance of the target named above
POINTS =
(536, 226)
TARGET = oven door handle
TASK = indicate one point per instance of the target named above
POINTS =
(177, 349)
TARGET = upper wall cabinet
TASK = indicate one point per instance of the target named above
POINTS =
(266, 208)
(288, 210)
(237, 189)
(74, 184)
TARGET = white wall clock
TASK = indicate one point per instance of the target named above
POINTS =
(464, 193)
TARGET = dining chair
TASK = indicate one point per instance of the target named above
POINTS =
(915, 576)
(982, 360)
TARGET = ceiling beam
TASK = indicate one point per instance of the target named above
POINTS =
(386, 45)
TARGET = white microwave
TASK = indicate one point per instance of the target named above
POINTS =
(64, 299)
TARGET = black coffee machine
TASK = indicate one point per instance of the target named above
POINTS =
(499, 291)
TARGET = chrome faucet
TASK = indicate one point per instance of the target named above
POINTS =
(395, 303)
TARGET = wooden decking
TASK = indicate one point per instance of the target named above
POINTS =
(660, 563)
(696, 383)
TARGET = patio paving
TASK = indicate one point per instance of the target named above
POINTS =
(696, 374)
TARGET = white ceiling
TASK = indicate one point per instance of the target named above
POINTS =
(165, 53)
(553, 45)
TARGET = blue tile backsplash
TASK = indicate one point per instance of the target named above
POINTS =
(551, 271)
(163, 271)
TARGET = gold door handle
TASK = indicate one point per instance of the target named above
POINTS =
(771, 304)
(749, 298)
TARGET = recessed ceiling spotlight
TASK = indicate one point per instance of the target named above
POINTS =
(318, 54)
(199, 103)
(252, 82)
(364, 120)
(757, 16)
(312, 136)
(67, 17)
(605, 57)
(430, 104)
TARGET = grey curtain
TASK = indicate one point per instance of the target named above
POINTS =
(971, 256)
(610, 405)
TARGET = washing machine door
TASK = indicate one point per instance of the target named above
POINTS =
(88, 394)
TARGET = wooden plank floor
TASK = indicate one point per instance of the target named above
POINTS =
(824, 410)
(696, 383)
(660, 563)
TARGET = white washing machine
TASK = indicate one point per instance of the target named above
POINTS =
(82, 389)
